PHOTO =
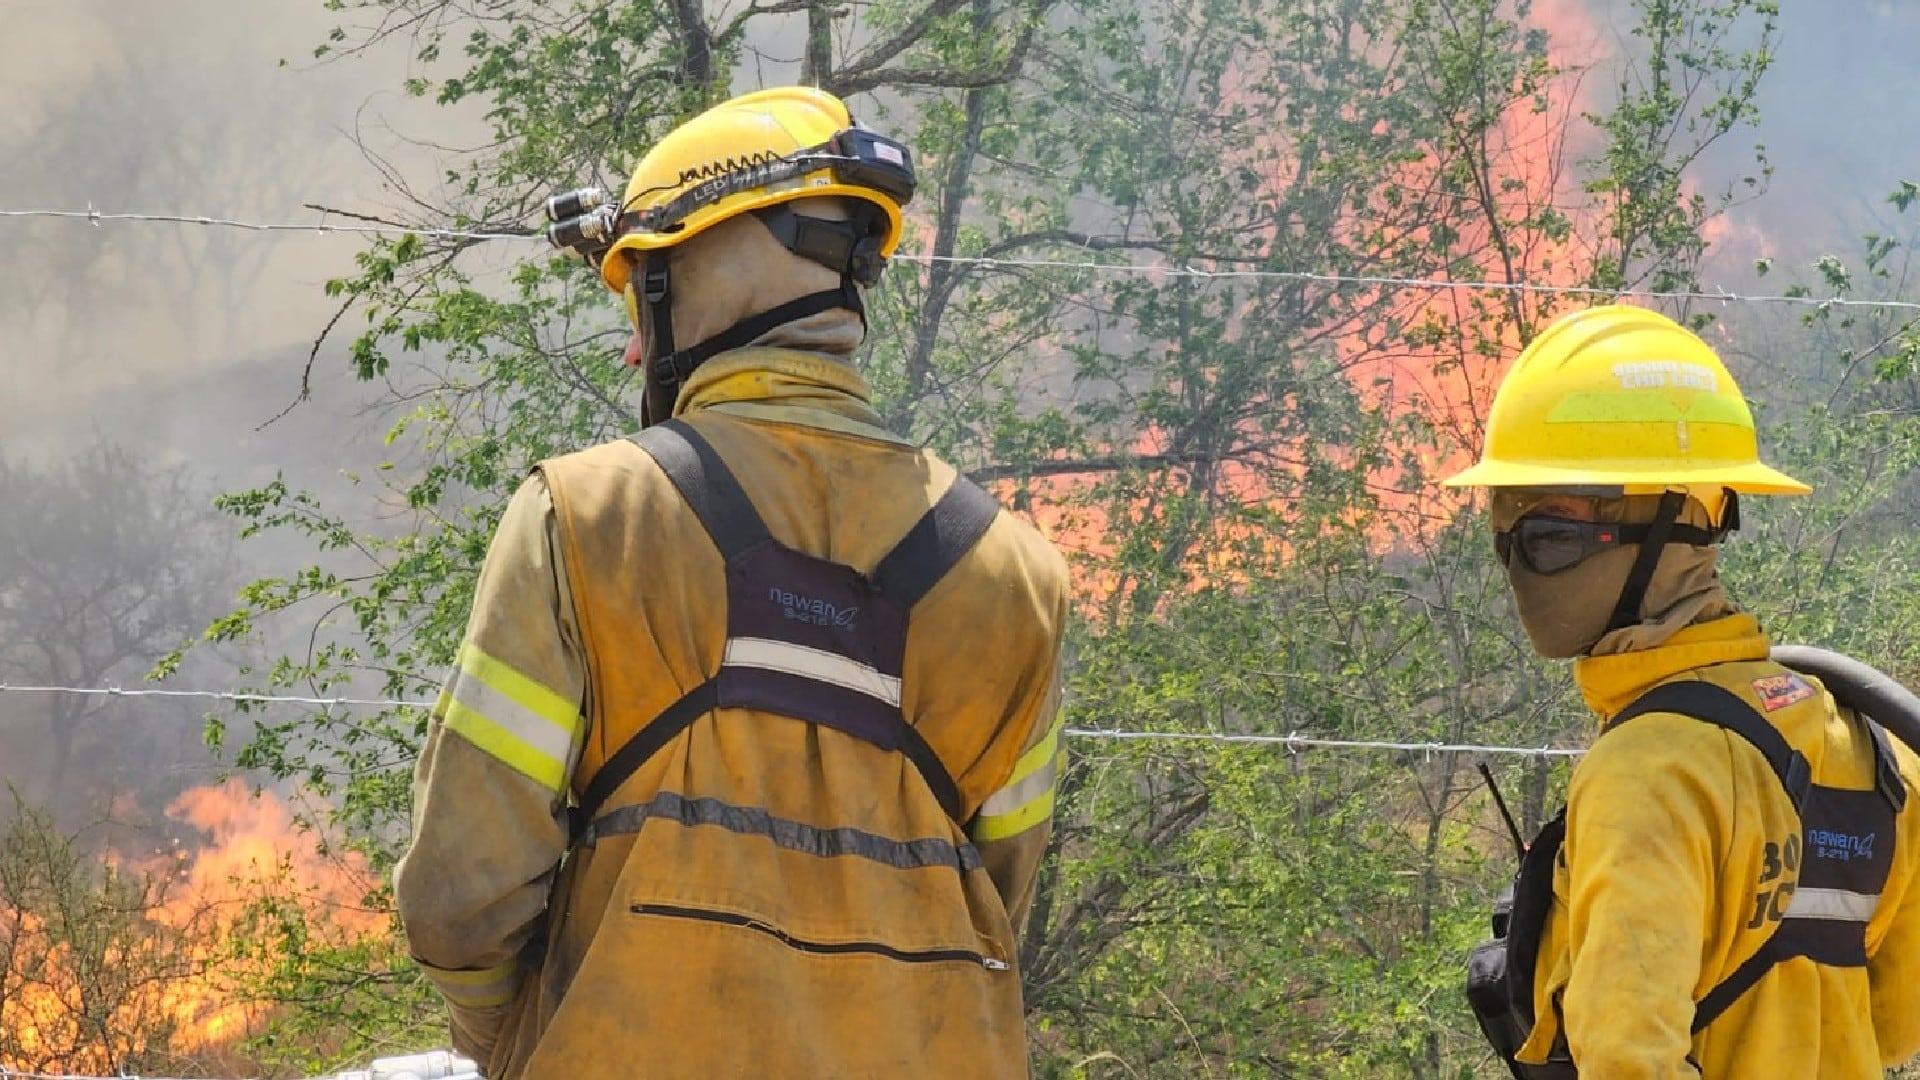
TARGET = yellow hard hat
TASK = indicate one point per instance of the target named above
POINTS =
(1624, 397)
(755, 151)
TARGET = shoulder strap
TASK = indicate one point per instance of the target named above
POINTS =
(1717, 705)
(708, 486)
(936, 543)
(645, 743)
(1722, 707)
(1880, 701)
(1886, 768)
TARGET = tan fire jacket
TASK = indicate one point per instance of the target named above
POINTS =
(1682, 853)
(789, 900)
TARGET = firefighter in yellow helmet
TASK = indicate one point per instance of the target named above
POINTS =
(747, 762)
(1731, 892)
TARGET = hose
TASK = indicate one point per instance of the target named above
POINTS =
(1861, 687)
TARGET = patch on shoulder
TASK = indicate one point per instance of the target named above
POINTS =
(1780, 691)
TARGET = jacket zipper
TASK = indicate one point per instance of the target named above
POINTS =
(911, 956)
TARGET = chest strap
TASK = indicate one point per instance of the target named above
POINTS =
(806, 638)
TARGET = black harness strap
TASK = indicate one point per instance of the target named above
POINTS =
(707, 485)
(938, 541)
(935, 544)
(932, 547)
(1722, 707)
(645, 743)
(1836, 944)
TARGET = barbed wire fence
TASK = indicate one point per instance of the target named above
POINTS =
(1291, 741)
(323, 225)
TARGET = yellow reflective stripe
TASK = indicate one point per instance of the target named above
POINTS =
(1039, 755)
(527, 726)
(528, 694)
(1018, 807)
(486, 989)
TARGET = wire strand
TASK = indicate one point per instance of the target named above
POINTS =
(1291, 741)
(1169, 270)
(99, 217)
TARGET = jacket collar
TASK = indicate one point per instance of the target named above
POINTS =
(1611, 683)
(786, 386)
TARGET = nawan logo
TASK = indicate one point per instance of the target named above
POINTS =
(1839, 846)
(1780, 691)
(811, 609)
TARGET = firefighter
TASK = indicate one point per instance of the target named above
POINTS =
(1727, 902)
(747, 762)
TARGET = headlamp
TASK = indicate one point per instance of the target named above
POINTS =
(583, 221)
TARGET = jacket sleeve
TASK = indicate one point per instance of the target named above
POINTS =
(1893, 967)
(1014, 823)
(1643, 811)
(489, 808)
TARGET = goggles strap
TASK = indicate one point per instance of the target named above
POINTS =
(1627, 611)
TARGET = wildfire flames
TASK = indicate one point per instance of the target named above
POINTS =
(101, 981)
(1442, 365)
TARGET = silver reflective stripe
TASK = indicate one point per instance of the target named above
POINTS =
(535, 744)
(1838, 904)
(1016, 795)
(817, 664)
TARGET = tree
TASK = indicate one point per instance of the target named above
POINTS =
(86, 970)
(107, 562)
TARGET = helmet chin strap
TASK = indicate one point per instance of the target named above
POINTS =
(849, 247)
(1634, 593)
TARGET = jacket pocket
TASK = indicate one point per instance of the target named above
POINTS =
(822, 948)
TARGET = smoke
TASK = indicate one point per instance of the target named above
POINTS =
(173, 342)
(156, 333)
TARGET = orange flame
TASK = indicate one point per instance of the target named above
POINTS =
(167, 983)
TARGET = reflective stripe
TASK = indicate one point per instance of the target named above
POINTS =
(476, 989)
(525, 725)
(1041, 755)
(785, 833)
(1832, 904)
(813, 664)
(1028, 795)
(1028, 803)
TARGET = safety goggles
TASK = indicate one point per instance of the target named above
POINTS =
(1550, 545)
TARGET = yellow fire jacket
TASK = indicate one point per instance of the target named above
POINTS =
(1679, 837)
(784, 899)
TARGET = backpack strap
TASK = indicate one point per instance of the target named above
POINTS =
(930, 550)
(708, 486)
(1722, 707)
(1717, 705)
(936, 543)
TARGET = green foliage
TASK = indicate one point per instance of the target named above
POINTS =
(1692, 84)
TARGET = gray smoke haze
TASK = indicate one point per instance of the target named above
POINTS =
(180, 341)
(180, 338)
